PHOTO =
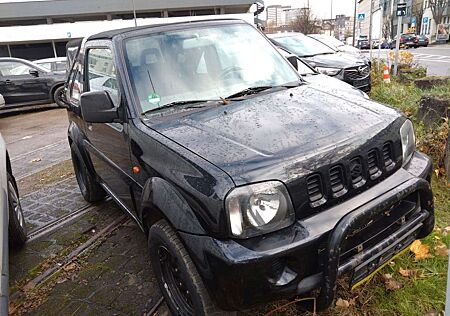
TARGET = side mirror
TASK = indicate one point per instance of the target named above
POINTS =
(293, 60)
(97, 107)
(33, 72)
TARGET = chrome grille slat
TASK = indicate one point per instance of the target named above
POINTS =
(357, 73)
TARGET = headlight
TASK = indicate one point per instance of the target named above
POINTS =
(259, 208)
(329, 71)
(408, 141)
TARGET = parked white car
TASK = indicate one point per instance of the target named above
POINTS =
(12, 223)
(53, 64)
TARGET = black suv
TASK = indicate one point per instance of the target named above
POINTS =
(251, 185)
(349, 68)
(24, 84)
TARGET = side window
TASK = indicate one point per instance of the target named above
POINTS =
(102, 72)
(14, 68)
(75, 84)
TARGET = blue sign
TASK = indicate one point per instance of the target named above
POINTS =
(425, 20)
(361, 16)
(413, 21)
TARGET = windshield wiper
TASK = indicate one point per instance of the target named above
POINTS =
(254, 90)
(249, 91)
(178, 103)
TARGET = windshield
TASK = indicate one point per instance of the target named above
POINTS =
(329, 40)
(205, 63)
(302, 45)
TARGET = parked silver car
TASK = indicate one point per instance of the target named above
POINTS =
(12, 223)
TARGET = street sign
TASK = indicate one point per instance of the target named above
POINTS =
(361, 16)
(401, 9)
(413, 21)
(425, 20)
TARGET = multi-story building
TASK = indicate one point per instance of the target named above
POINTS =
(343, 27)
(276, 15)
(366, 7)
(41, 29)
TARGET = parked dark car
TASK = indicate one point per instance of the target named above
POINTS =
(422, 41)
(251, 184)
(408, 40)
(24, 84)
(348, 68)
(363, 43)
(12, 222)
(319, 80)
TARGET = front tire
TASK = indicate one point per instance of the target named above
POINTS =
(89, 187)
(178, 278)
(57, 96)
(16, 227)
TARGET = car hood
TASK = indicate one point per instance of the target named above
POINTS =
(333, 85)
(338, 60)
(263, 137)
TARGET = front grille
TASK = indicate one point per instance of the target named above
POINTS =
(337, 181)
(315, 189)
(373, 164)
(345, 177)
(357, 73)
(356, 172)
(388, 156)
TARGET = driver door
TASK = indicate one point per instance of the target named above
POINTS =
(108, 144)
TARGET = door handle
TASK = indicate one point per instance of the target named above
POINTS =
(7, 81)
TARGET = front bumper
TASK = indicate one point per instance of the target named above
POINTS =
(315, 251)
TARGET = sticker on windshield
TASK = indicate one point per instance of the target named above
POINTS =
(154, 98)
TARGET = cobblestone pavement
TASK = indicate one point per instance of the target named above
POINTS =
(116, 279)
(50, 203)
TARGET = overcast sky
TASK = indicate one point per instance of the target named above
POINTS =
(320, 8)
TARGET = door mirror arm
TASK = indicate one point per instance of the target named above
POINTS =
(33, 72)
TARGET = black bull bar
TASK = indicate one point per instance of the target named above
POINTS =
(417, 227)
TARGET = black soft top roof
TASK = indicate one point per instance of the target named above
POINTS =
(110, 34)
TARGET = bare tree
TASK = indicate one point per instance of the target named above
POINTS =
(387, 26)
(417, 11)
(305, 22)
(437, 8)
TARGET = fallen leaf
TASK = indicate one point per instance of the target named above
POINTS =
(421, 251)
(446, 230)
(342, 303)
(36, 160)
(436, 171)
(70, 267)
(386, 277)
(441, 249)
(393, 285)
(407, 272)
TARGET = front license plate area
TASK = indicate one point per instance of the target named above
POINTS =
(365, 271)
